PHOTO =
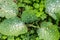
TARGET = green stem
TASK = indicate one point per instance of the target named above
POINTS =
(10, 38)
(57, 22)
(30, 25)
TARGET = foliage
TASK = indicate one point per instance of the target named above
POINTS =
(29, 19)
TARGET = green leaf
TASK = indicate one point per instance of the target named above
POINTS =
(28, 16)
(53, 8)
(27, 1)
(28, 7)
(13, 27)
(4, 37)
(36, 5)
(48, 31)
(8, 8)
(21, 5)
(41, 15)
(18, 39)
(10, 38)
